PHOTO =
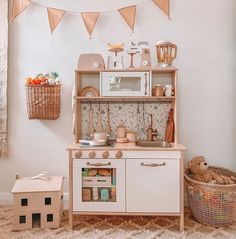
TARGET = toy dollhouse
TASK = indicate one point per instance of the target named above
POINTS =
(37, 202)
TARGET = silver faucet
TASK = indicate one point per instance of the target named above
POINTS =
(150, 132)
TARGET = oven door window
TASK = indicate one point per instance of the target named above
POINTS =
(98, 184)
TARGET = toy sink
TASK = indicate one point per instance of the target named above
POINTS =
(158, 144)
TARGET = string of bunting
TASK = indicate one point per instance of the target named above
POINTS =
(89, 18)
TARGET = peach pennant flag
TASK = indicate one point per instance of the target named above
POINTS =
(128, 13)
(90, 19)
(54, 17)
(163, 5)
(18, 7)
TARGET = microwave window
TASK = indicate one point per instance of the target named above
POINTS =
(125, 84)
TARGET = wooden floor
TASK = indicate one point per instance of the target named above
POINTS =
(118, 227)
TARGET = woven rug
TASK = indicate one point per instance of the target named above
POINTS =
(117, 227)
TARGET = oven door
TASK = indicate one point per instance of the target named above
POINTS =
(125, 83)
(99, 185)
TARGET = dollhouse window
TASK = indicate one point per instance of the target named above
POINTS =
(24, 202)
(22, 219)
(49, 217)
(48, 201)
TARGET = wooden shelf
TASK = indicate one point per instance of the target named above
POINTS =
(153, 70)
(126, 99)
(88, 71)
(164, 70)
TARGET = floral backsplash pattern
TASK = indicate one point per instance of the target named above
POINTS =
(133, 115)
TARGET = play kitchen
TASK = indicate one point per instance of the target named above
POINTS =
(126, 159)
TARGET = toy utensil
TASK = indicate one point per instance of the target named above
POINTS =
(132, 50)
(90, 123)
(143, 112)
(99, 126)
(169, 136)
(138, 118)
(108, 124)
(143, 119)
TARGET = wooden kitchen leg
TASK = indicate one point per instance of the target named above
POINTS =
(70, 190)
(70, 221)
(181, 224)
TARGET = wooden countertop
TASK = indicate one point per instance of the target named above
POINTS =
(127, 146)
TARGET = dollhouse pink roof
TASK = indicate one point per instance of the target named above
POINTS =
(26, 185)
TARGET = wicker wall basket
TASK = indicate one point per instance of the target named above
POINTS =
(43, 101)
(212, 204)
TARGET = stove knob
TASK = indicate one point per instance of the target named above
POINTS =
(92, 154)
(105, 154)
(118, 154)
(78, 154)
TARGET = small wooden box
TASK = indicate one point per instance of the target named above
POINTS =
(37, 202)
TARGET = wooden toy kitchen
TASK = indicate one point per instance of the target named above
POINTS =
(126, 159)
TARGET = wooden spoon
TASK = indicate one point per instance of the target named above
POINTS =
(90, 124)
(99, 126)
(108, 124)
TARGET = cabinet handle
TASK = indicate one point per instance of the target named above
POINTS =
(153, 164)
(98, 164)
(145, 84)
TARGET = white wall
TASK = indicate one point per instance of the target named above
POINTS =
(205, 34)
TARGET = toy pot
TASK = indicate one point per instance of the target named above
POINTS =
(158, 90)
(131, 136)
(100, 136)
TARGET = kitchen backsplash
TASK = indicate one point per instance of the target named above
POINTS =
(134, 116)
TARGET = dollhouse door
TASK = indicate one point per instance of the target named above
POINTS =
(99, 185)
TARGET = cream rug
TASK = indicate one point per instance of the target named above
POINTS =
(117, 227)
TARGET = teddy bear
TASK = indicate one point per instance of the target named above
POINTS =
(200, 172)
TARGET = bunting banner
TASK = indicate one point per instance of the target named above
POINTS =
(163, 5)
(90, 19)
(18, 7)
(54, 17)
(128, 13)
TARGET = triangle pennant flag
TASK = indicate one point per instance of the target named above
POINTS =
(54, 17)
(90, 19)
(163, 5)
(18, 7)
(128, 13)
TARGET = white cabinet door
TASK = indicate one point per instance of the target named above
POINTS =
(80, 182)
(153, 185)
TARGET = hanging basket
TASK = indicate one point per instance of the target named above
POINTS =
(212, 204)
(43, 101)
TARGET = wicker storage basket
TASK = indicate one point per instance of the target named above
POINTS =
(43, 101)
(212, 204)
